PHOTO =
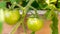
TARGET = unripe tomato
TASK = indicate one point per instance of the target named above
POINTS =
(34, 23)
(11, 16)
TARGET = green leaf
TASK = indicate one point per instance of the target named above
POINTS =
(42, 4)
(2, 4)
(13, 1)
(35, 4)
(17, 1)
(48, 14)
(52, 6)
(58, 4)
(5, 0)
(27, 0)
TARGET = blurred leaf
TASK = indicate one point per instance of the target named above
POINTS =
(27, 0)
(17, 1)
(2, 4)
(12, 1)
(5, 0)
(24, 3)
(52, 6)
(53, 1)
(58, 4)
(43, 6)
(35, 4)
(39, 1)
(48, 14)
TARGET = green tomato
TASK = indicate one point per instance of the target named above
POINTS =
(11, 16)
(34, 24)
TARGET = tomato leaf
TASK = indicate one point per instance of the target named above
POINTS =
(2, 4)
(48, 14)
(17, 1)
(58, 4)
(27, 0)
(42, 4)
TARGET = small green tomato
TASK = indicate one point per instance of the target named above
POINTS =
(34, 24)
(11, 16)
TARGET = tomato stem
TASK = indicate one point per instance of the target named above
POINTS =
(36, 14)
(25, 9)
(1, 27)
(33, 32)
(23, 25)
(54, 25)
(16, 27)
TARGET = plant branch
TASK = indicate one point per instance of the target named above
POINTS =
(18, 5)
(33, 32)
(29, 4)
(34, 10)
(25, 9)
(16, 27)
(54, 25)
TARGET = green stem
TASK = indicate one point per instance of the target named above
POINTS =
(16, 27)
(29, 4)
(1, 27)
(19, 6)
(23, 25)
(25, 9)
(54, 26)
(13, 5)
(34, 10)
(36, 14)
(33, 32)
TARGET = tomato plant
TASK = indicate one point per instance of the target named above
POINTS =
(13, 17)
